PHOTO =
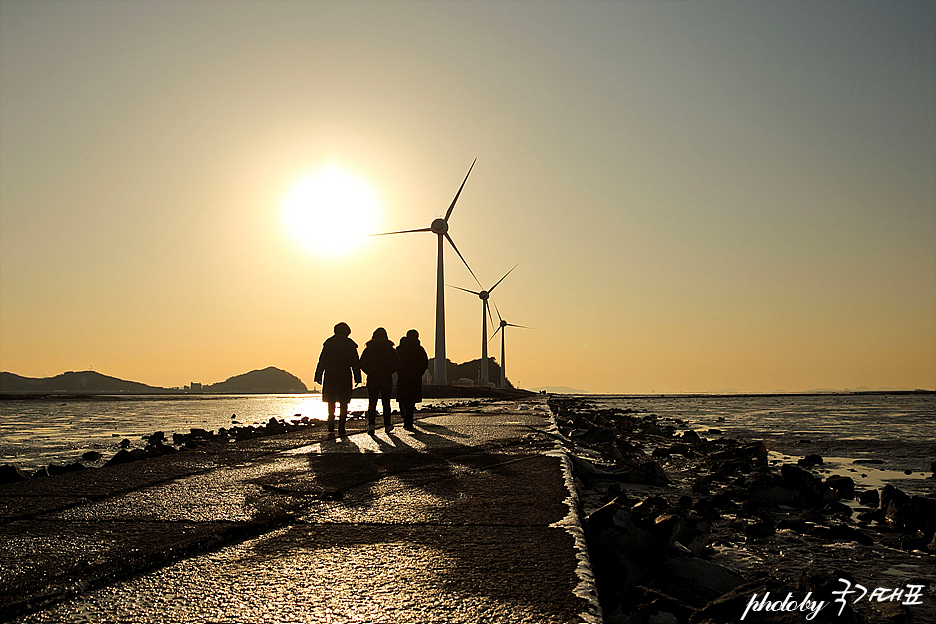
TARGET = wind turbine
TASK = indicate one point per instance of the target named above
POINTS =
(440, 228)
(485, 313)
(503, 332)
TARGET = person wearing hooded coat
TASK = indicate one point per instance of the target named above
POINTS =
(337, 365)
(413, 363)
(379, 360)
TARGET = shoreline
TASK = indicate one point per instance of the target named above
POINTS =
(429, 392)
(445, 392)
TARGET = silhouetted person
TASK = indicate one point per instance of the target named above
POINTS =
(339, 364)
(413, 363)
(379, 360)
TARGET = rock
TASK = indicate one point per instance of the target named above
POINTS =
(158, 449)
(869, 498)
(156, 437)
(91, 456)
(835, 508)
(691, 437)
(10, 473)
(616, 546)
(842, 485)
(815, 492)
(874, 515)
(841, 532)
(811, 460)
(125, 443)
(57, 469)
(698, 581)
(731, 606)
(705, 508)
(777, 496)
(922, 515)
(666, 527)
(647, 473)
(124, 456)
(896, 506)
(650, 507)
(695, 534)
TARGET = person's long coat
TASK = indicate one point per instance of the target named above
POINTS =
(379, 360)
(337, 366)
(413, 363)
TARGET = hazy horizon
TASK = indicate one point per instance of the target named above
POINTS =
(699, 196)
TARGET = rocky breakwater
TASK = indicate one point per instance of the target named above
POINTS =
(687, 528)
(159, 443)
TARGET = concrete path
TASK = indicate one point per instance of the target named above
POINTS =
(468, 519)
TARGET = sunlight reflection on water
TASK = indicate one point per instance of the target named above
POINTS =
(34, 433)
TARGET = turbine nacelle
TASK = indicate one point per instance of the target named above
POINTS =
(439, 226)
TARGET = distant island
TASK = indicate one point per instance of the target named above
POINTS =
(269, 380)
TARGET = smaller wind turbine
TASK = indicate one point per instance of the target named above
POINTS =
(503, 332)
(485, 313)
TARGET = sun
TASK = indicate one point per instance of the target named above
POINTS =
(330, 211)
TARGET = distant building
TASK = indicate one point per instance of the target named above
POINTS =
(195, 387)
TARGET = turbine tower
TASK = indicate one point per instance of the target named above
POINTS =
(440, 228)
(503, 332)
(485, 313)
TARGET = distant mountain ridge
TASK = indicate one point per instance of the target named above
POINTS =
(269, 380)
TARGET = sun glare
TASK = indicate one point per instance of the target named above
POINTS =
(330, 211)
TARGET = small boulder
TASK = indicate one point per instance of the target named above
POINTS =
(869, 498)
(811, 460)
(91, 456)
(691, 437)
(842, 485)
(10, 473)
(57, 469)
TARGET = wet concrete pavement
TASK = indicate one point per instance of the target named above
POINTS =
(468, 519)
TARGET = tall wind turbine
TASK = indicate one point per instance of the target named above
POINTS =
(485, 313)
(440, 228)
(503, 332)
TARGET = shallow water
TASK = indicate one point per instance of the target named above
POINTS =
(907, 417)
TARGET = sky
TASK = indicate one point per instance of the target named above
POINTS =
(698, 196)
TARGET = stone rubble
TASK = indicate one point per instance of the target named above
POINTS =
(660, 506)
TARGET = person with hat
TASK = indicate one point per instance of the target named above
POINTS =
(338, 364)
(413, 364)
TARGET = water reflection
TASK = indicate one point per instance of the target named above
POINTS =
(36, 432)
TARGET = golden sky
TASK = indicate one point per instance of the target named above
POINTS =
(700, 196)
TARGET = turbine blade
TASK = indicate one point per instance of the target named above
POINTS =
(488, 308)
(452, 207)
(523, 326)
(499, 317)
(465, 289)
(494, 334)
(403, 232)
(502, 279)
(452, 243)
